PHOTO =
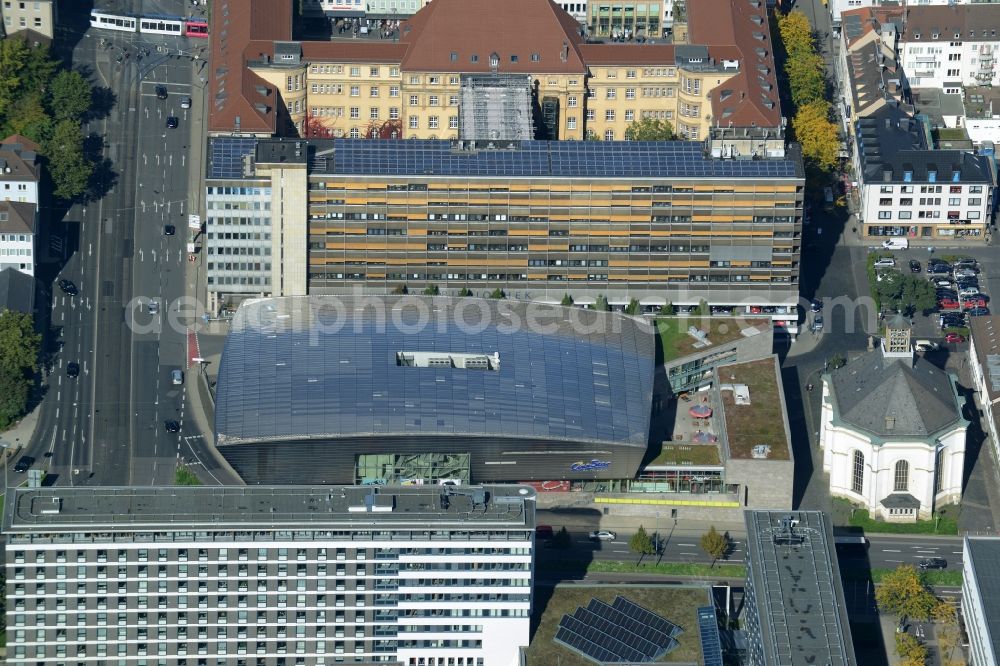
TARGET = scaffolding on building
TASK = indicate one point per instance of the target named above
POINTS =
(495, 107)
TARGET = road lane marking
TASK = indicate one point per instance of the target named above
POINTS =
(889, 550)
(896, 561)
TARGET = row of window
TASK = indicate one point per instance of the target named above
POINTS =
(929, 214)
(523, 277)
(931, 201)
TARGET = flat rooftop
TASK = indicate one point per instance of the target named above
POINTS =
(803, 615)
(186, 508)
(986, 339)
(982, 102)
(983, 555)
(761, 422)
(677, 342)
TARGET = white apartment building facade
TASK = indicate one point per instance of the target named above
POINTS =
(17, 236)
(951, 46)
(269, 576)
(37, 15)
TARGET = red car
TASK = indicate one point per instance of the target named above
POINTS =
(948, 304)
(975, 302)
(954, 337)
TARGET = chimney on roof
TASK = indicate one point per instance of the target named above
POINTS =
(564, 54)
(886, 175)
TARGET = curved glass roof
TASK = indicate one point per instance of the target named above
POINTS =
(315, 367)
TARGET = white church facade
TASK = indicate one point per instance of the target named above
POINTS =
(892, 431)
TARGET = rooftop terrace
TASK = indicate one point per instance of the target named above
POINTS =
(676, 341)
(762, 421)
(111, 509)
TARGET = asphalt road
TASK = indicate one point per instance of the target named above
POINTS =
(106, 426)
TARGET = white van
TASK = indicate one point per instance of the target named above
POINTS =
(895, 244)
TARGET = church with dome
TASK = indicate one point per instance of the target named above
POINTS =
(892, 431)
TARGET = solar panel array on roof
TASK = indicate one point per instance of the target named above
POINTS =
(711, 644)
(624, 632)
(599, 159)
(226, 156)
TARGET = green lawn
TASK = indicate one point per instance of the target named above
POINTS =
(677, 604)
(687, 454)
(649, 566)
(675, 341)
(185, 477)
(760, 422)
(945, 521)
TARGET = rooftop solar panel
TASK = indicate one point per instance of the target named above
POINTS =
(649, 633)
(621, 650)
(648, 618)
(226, 155)
(606, 634)
(708, 628)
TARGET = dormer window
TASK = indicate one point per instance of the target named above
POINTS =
(494, 60)
(454, 56)
(474, 58)
(513, 58)
(535, 57)
(287, 56)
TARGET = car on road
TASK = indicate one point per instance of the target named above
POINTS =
(933, 563)
(23, 464)
(161, 92)
(954, 338)
(172, 122)
(68, 287)
(169, 230)
(817, 324)
(926, 346)
(978, 312)
(72, 369)
(176, 377)
(885, 262)
(172, 426)
(603, 535)
(186, 103)
(153, 307)
(914, 266)
(816, 305)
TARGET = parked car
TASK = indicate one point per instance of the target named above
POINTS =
(973, 304)
(817, 324)
(885, 262)
(933, 563)
(603, 535)
(948, 304)
(816, 305)
(914, 266)
(954, 338)
(965, 273)
(968, 292)
(926, 346)
(72, 369)
(967, 263)
(23, 463)
(952, 319)
(938, 269)
(979, 312)
(941, 282)
(968, 282)
(68, 287)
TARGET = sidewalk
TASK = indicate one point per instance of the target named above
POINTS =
(20, 435)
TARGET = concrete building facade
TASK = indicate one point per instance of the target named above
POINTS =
(951, 46)
(436, 575)
(37, 15)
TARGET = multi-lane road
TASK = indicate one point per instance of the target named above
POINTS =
(106, 426)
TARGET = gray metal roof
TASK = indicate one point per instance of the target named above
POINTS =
(916, 400)
(325, 367)
(983, 558)
(800, 600)
(185, 508)
(17, 291)
(900, 501)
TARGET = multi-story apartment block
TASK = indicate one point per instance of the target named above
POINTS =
(657, 221)
(722, 76)
(952, 46)
(795, 611)
(19, 170)
(839, 7)
(909, 190)
(276, 576)
(37, 15)
(18, 223)
(869, 76)
(980, 592)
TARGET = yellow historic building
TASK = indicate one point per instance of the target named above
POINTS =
(412, 88)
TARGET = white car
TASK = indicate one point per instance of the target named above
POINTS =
(941, 282)
(603, 535)
(885, 262)
(964, 273)
(186, 103)
(968, 292)
(154, 307)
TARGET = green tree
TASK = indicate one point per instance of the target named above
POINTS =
(818, 135)
(14, 389)
(806, 78)
(431, 290)
(668, 309)
(602, 303)
(949, 636)
(463, 292)
(591, 135)
(70, 96)
(39, 69)
(701, 309)
(498, 294)
(29, 118)
(917, 294)
(715, 544)
(400, 289)
(902, 592)
(911, 651)
(19, 343)
(562, 540)
(567, 299)
(796, 33)
(650, 129)
(68, 166)
(13, 57)
(641, 543)
(632, 308)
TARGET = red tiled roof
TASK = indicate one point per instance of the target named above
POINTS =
(238, 28)
(354, 51)
(870, 18)
(745, 100)
(627, 54)
(513, 29)
(23, 141)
